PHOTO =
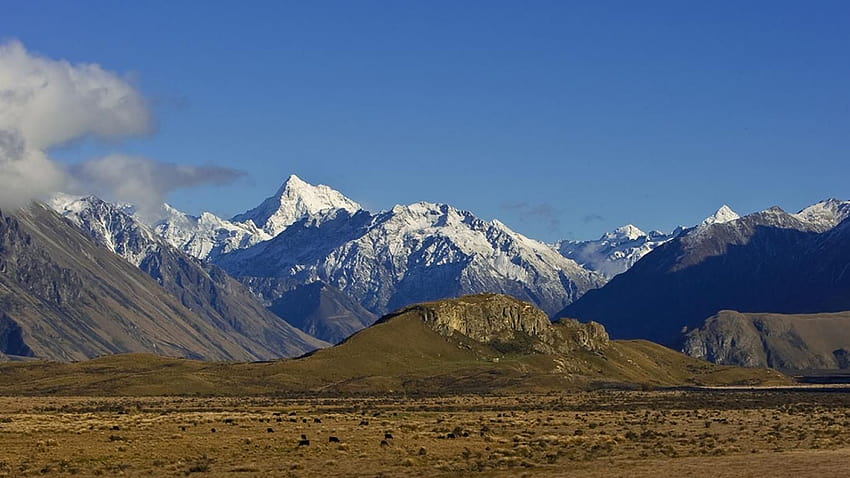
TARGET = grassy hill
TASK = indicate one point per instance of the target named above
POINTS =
(412, 351)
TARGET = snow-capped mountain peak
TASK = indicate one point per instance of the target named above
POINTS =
(615, 251)
(627, 232)
(722, 215)
(294, 200)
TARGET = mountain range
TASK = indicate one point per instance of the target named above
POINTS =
(309, 267)
(423, 251)
(769, 261)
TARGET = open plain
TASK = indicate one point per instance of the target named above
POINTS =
(601, 433)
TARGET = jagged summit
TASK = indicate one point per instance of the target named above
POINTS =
(827, 213)
(294, 200)
(723, 215)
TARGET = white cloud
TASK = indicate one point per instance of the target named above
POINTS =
(141, 181)
(49, 102)
(46, 103)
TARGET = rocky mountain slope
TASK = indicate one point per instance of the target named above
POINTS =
(785, 342)
(64, 297)
(769, 261)
(411, 254)
(203, 288)
(473, 344)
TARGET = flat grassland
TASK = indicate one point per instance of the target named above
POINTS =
(604, 433)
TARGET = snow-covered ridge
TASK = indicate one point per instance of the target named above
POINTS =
(109, 224)
(207, 235)
(825, 214)
(413, 253)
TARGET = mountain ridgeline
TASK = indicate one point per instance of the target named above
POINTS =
(769, 261)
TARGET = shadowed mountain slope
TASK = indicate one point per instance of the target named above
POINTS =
(322, 311)
(764, 262)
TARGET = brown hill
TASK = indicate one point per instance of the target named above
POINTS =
(482, 343)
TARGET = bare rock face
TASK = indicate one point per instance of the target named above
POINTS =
(572, 334)
(509, 324)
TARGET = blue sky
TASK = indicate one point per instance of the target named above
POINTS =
(562, 119)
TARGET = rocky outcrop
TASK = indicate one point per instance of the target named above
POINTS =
(508, 325)
(784, 342)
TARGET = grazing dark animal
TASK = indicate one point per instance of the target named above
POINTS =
(116, 427)
(363, 423)
(303, 436)
(451, 436)
(333, 439)
(388, 436)
(317, 420)
(269, 430)
(212, 430)
(303, 420)
(304, 443)
(228, 421)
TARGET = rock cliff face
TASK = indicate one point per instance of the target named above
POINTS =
(785, 342)
(508, 325)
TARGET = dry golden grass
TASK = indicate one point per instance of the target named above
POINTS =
(671, 433)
